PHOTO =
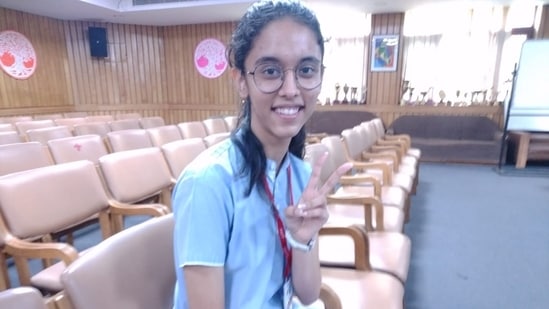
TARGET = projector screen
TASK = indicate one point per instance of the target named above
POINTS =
(528, 106)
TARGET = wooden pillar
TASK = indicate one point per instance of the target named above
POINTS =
(384, 88)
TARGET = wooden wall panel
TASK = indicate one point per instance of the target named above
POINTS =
(47, 88)
(384, 87)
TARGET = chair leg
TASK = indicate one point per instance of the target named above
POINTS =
(4, 276)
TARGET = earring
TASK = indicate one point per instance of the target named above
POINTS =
(243, 101)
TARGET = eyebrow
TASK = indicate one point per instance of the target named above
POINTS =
(274, 59)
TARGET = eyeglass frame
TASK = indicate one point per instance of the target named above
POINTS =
(283, 77)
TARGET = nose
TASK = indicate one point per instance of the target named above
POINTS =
(289, 84)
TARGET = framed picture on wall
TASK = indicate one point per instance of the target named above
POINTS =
(384, 52)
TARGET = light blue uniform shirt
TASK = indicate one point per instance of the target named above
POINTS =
(217, 225)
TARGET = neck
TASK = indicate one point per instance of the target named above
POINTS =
(276, 152)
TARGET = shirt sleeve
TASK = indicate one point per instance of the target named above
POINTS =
(202, 219)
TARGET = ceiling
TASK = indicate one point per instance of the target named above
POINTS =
(190, 11)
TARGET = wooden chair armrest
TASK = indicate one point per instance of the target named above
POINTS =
(362, 261)
(38, 250)
(397, 150)
(385, 169)
(123, 209)
(366, 202)
(329, 297)
(385, 155)
(361, 180)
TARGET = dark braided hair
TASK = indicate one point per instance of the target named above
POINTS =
(248, 29)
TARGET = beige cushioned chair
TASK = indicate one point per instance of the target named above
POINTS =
(25, 298)
(132, 269)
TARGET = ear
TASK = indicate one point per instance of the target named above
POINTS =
(240, 83)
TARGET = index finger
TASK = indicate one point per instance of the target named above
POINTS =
(315, 175)
(334, 177)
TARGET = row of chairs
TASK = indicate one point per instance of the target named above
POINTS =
(377, 255)
(369, 266)
(109, 117)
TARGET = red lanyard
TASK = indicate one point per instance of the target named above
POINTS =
(279, 224)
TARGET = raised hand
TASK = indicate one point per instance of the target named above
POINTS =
(305, 219)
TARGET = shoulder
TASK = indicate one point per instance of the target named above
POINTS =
(301, 168)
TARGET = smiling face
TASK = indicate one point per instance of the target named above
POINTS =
(278, 116)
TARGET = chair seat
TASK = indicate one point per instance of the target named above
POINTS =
(347, 215)
(364, 289)
(388, 251)
(402, 180)
(50, 278)
(414, 152)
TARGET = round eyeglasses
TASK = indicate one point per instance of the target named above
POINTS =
(269, 77)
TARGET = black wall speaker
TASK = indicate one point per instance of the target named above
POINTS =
(98, 41)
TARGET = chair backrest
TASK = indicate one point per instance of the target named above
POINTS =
(14, 119)
(128, 140)
(23, 156)
(49, 199)
(192, 129)
(353, 143)
(45, 134)
(164, 134)
(75, 114)
(379, 127)
(134, 175)
(180, 153)
(24, 126)
(83, 147)
(215, 125)
(213, 139)
(124, 124)
(127, 116)
(100, 118)
(47, 116)
(231, 122)
(10, 137)
(151, 122)
(313, 152)
(69, 122)
(7, 127)
(131, 269)
(100, 128)
(23, 298)
(336, 149)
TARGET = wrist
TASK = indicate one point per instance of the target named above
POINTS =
(294, 243)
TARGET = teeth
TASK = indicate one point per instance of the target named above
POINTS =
(287, 110)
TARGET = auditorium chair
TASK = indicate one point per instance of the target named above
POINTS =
(132, 269)
(151, 122)
(82, 147)
(231, 122)
(43, 201)
(128, 140)
(25, 298)
(387, 152)
(10, 137)
(18, 157)
(100, 128)
(70, 122)
(215, 125)
(99, 118)
(403, 139)
(43, 135)
(7, 127)
(164, 134)
(359, 285)
(24, 126)
(393, 198)
(124, 124)
(138, 182)
(389, 250)
(179, 154)
(127, 116)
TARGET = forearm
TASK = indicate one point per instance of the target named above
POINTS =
(306, 277)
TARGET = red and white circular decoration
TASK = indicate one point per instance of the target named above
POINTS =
(209, 58)
(17, 56)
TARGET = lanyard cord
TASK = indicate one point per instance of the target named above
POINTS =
(279, 224)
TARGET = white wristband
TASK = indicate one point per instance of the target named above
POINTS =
(294, 244)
